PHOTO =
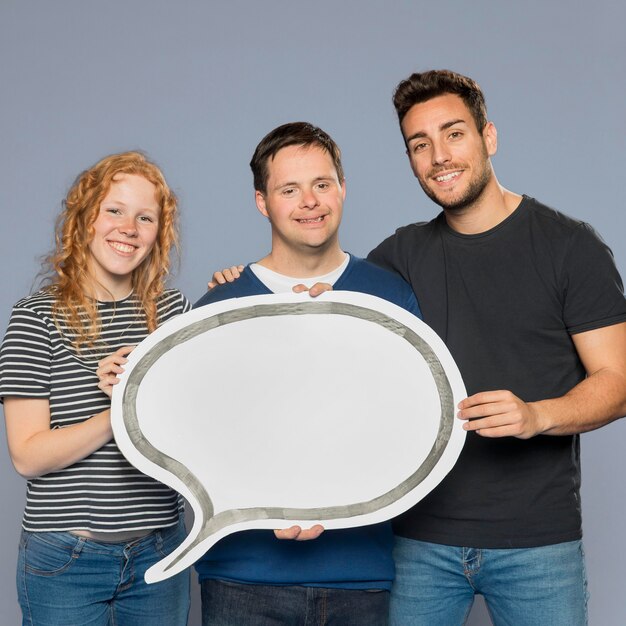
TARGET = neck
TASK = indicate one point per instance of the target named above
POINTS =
(493, 206)
(110, 291)
(300, 264)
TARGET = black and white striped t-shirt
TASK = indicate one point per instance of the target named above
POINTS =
(103, 492)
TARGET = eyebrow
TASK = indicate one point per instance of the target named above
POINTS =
(124, 205)
(285, 184)
(420, 134)
(294, 183)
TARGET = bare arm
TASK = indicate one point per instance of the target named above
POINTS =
(36, 450)
(594, 402)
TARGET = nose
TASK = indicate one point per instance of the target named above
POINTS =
(308, 199)
(440, 153)
(128, 227)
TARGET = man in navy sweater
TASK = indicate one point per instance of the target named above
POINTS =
(260, 577)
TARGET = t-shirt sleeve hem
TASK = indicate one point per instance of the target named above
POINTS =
(602, 323)
(12, 393)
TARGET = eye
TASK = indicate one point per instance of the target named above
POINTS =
(323, 186)
(419, 146)
(113, 211)
(455, 134)
(146, 219)
(288, 191)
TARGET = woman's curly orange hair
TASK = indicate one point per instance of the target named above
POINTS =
(71, 283)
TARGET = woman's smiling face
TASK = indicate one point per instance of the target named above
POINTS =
(125, 232)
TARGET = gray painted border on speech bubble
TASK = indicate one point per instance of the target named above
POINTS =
(233, 516)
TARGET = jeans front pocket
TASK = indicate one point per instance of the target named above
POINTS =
(50, 554)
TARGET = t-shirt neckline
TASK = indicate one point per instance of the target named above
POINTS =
(521, 208)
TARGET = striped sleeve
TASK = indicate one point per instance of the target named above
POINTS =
(186, 304)
(25, 356)
(172, 303)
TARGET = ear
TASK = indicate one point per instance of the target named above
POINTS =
(343, 189)
(490, 137)
(259, 198)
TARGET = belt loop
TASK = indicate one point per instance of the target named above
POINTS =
(78, 547)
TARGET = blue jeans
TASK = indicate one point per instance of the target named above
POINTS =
(234, 604)
(435, 584)
(66, 580)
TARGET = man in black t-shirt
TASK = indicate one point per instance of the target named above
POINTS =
(532, 308)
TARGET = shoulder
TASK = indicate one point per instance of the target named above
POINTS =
(31, 327)
(364, 276)
(545, 217)
(405, 243)
(173, 299)
(548, 215)
(170, 303)
(368, 271)
(38, 308)
(585, 274)
(415, 231)
(42, 301)
(559, 229)
(246, 285)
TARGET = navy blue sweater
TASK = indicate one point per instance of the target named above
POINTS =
(351, 558)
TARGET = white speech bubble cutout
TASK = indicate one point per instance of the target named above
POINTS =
(270, 411)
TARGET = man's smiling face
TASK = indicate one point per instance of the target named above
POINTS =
(448, 154)
(304, 198)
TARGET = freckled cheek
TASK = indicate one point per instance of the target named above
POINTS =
(103, 228)
(149, 233)
(150, 242)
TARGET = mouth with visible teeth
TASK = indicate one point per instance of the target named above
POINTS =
(446, 178)
(123, 248)
(311, 220)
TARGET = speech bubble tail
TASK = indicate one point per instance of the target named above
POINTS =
(192, 548)
(154, 574)
(173, 563)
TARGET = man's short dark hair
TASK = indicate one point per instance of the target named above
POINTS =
(424, 86)
(291, 134)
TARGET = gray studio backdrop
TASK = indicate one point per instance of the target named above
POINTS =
(196, 84)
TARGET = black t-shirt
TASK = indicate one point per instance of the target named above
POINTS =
(506, 302)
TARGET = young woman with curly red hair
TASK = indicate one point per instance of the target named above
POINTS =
(93, 523)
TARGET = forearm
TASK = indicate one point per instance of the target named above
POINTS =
(51, 450)
(594, 402)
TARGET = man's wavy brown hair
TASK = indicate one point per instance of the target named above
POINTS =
(421, 87)
(70, 280)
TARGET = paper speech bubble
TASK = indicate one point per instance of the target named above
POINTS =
(270, 411)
